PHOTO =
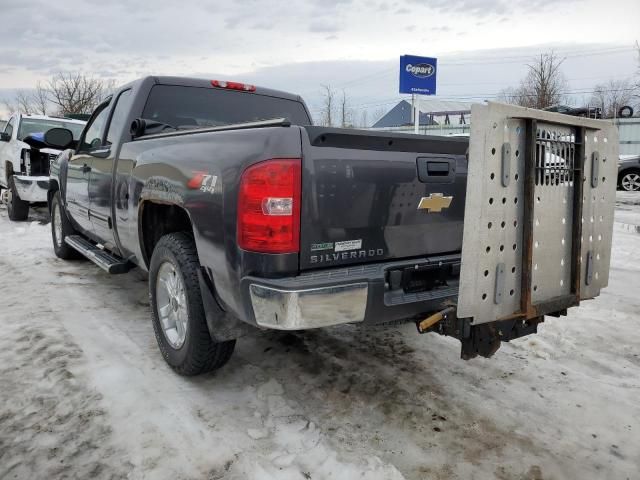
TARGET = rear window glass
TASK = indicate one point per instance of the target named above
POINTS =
(180, 106)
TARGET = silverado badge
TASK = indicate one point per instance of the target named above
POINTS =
(434, 202)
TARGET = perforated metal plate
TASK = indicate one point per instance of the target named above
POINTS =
(522, 193)
(598, 206)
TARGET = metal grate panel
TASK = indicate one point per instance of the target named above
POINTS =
(520, 232)
(555, 170)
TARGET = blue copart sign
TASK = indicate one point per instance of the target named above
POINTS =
(418, 74)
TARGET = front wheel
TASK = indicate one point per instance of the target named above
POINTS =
(630, 181)
(17, 208)
(179, 320)
(60, 229)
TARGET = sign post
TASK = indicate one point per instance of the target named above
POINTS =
(416, 114)
(418, 77)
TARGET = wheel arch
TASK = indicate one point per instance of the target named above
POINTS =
(156, 219)
(53, 188)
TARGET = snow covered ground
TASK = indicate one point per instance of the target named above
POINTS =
(84, 392)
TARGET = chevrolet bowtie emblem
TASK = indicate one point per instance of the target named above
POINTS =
(434, 202)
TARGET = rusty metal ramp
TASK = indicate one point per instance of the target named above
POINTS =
(539, 212)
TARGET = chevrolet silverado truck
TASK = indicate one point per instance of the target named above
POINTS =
(246, 216)
(25, 160)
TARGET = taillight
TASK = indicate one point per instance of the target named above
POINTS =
(269, 207)
(233, 85)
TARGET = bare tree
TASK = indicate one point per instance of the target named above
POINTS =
(73, 93)
(378, 113)
(543, 86)
(636, 93)
(508, 95)
(65, 93)
(345, 112)
(638, 69)
(611, 96)
(327, 105)
(364, 118)
(40, 99)
(25, 102)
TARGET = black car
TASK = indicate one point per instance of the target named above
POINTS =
(629, 173)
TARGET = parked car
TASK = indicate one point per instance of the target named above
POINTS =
(25, 160)
(629, 173)
(245, 215)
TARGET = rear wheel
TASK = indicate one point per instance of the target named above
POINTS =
(630, 180)
(60, 229)
(18, 209)
(179, 320)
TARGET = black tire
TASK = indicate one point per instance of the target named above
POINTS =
(58, 215)
(628, 180)
(199, 353)
(18, 209)
(625, 112)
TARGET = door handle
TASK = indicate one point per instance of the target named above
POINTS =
(436, 169)
(101, 153)
(86, 168)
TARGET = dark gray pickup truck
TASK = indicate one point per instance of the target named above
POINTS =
(245, 215)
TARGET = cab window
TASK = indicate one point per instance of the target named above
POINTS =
(119, 117)
(94, 134)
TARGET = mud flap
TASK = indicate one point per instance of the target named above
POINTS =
(538, 216)
(222, 326)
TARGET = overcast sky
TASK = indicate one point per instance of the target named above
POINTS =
(482, 45)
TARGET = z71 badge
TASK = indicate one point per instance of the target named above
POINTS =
(203, 181)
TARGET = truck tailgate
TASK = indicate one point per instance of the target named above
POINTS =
(372, 196)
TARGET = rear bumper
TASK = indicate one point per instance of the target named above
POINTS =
(338, 296)
(31, 189)
(308, 308)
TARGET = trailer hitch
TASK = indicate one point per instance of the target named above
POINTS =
(484, 339)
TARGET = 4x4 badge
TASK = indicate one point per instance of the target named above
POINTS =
(434, 202)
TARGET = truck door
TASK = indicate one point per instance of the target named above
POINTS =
(102, 172)
(80, 164)
(6, 152)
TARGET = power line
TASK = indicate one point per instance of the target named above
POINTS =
(375, 74)
(626, 77)
(516, 59)
(496, 60)
(568, 92)
(483, 96)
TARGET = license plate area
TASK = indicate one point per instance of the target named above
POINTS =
(422, 278)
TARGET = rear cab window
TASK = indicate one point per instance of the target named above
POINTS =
(197, 107)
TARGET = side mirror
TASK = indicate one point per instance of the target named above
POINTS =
(4, 137)
(59, 138)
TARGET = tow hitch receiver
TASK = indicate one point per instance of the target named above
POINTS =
(538, 222)
(483, 339)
